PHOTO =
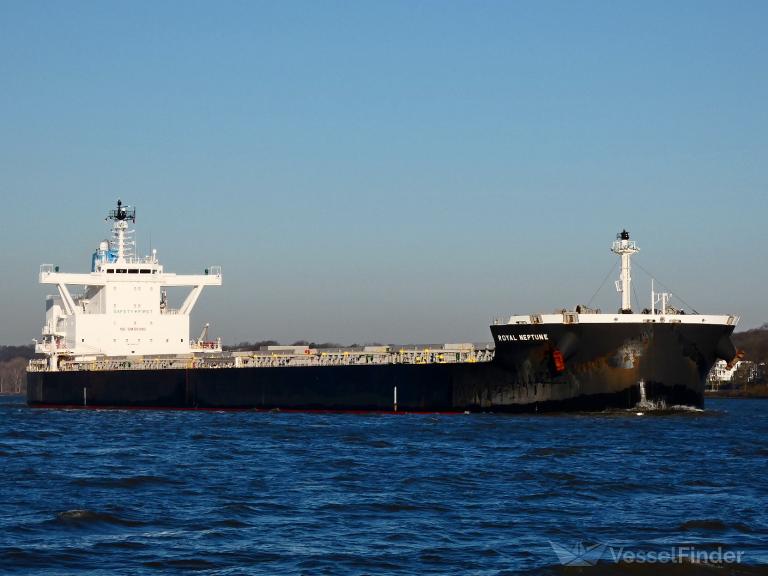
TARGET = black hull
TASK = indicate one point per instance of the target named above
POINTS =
(583, 367)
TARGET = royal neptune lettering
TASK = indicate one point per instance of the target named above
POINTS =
(522, 337)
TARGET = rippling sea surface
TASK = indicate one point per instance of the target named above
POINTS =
(127, 492)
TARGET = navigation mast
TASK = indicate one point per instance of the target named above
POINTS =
(625, 248)
(122, 241)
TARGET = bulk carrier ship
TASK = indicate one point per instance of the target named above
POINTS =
(119, 343)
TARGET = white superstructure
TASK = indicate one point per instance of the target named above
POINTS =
(122, 308)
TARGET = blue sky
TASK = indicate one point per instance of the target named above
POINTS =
(388, 171)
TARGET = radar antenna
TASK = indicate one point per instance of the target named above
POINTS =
(122, 213)
(122, 242)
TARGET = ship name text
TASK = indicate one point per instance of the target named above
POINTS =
(522, 337)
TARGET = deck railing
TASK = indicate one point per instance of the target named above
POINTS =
(270, 360)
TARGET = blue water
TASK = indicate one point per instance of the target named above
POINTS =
(148, 492)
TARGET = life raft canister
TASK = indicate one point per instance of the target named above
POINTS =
(557, 356)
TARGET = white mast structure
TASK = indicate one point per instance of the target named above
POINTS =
(625, 248)
(123, 309)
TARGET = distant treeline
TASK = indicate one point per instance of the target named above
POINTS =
(11, 352)
(754, 343)
(751, 377)
(243, 346)
(13, 366)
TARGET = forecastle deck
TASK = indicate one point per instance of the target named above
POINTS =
(570, 317)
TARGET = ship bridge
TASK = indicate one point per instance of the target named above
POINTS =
(121, 307)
